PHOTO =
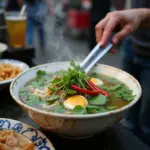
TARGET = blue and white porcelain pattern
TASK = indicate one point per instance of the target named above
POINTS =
(17, 63)
(40, 140)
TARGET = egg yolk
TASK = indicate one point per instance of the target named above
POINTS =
(76, 100)
(94, 80)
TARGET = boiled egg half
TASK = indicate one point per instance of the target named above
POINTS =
(96, 81)
(75, 100)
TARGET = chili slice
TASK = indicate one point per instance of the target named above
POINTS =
(97, 88)
(81, 90)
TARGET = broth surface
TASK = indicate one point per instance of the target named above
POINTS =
(43, 94)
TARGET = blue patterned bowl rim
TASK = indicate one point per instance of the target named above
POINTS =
(33, 134)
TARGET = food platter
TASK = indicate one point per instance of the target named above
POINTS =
(40, 140)
(23, 66)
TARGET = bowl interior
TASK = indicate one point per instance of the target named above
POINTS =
(130, 81)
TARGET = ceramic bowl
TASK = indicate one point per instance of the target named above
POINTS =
(75, 126)
(17, 63)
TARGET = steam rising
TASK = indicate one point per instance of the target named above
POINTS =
(62, 48)
(58, 46)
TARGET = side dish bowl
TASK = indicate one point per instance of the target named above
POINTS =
(16, 63)
(26, 132)
(75, 126)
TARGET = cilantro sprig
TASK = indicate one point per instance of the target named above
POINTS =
(121, 91)
(74, 75)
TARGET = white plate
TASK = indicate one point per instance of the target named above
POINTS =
(40, 140)
(17, 63)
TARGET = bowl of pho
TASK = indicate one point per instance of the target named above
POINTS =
(62, 98)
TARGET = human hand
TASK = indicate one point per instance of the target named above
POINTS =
(127, 21)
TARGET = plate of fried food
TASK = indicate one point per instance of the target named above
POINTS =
(15, 135)
(10, 69)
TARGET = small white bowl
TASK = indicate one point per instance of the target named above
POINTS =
(75, 126)
(17, 63)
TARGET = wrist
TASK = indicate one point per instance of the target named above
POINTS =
(144, 15)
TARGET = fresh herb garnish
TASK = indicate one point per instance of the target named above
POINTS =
(115, 87)
(59, 108)
(78, 110)
(38, 83)
(93, 74)
(40, 74)
(95, 109)
(74, 75)
(121, 91)
(112, 80)
(98, 100)
(71, 92)
(41, 78)
(52, 89)
(32, 100)
(53, 98)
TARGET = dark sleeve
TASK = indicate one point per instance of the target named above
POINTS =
(99, 9)
(13, 5)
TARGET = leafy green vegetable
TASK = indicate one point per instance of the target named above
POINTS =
(59, 108)
(72, 63)
(79, 110)
(92, 107)
(40, 74)
(24, 96)
(76, 67)
(74, 75)
(32, 100)
(53, 98)
(56, 80)
(121, 91)
(52, 89)
(45, 102)
(95, 109)
(41, 77)
(38, 83)
(98, 100)
(24, 93)
(71, 92)
(114, 88)
(111, 88)
(125, 93)
(93, 74)
(24, 89)
(113, 80)
(111, 108)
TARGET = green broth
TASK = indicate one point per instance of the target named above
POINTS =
(109, 81)
(39, 94)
